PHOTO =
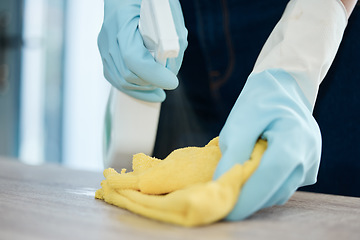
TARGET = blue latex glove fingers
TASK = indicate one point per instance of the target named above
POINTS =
(113, 75)
(271, 106)
(138, 60)
(128, 65)
(237, 140)
(280, 172)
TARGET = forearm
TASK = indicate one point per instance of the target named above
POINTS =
(305, 41)
(349, 6)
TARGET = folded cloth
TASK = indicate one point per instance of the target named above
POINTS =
(179, 189)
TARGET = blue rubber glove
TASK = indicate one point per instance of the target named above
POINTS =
(273, 107)
(128, 65)
(276, 104)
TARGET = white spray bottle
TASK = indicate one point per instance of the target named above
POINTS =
(131, 124)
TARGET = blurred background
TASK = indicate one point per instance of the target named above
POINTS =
(52, 91)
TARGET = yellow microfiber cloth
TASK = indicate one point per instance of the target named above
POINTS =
(179, 189)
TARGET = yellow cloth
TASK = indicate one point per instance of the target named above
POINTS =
(179, 189)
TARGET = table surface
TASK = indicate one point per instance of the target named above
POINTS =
(52, 202)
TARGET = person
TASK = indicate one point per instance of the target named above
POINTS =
(251, 69)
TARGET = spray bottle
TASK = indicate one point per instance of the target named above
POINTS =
(131, 124)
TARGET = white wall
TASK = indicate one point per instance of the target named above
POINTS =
(86, 90)
(31, 149)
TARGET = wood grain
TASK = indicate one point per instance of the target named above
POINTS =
(51, 202)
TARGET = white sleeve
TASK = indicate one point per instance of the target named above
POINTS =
(304, 42)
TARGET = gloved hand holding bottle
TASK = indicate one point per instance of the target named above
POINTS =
(276, 104)
(128, 65)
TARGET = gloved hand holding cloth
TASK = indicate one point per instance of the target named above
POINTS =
(276, 104)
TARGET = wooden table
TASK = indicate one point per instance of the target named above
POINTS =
(51, 202)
